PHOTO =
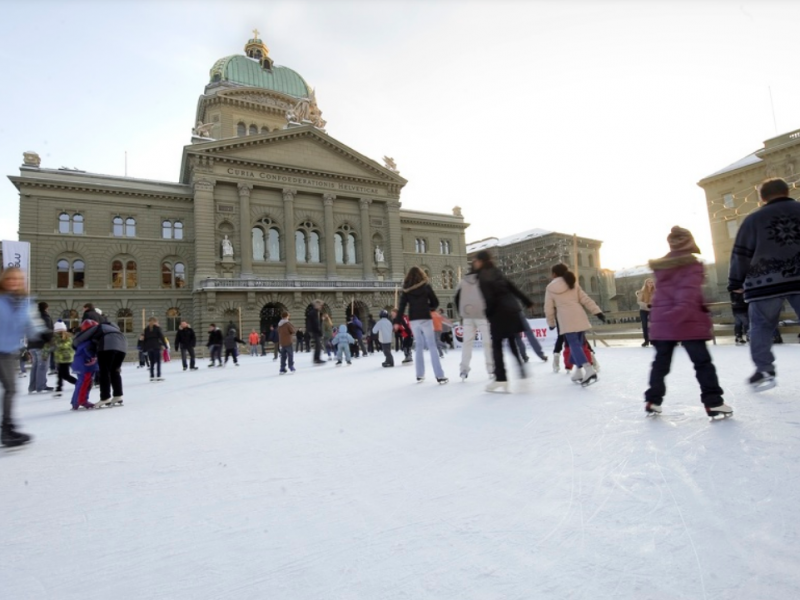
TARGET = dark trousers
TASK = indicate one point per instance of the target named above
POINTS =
(710, 392)
(64, 375)
(8, 379)
(155, 362)
(741, 324)
(387, 352)
(287, 355)
(644, 315)
(110, 363)
(398, 341)
(559, 345)
(317, 347)
(215, 352)
(497, 354)
(232, 352)
(190, 352)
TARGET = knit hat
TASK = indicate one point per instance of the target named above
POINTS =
(483, 256)
(681, 240)
(59, 326)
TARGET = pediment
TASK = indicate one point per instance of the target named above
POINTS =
(304, 148)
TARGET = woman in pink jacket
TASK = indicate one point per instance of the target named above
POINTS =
(679, 314)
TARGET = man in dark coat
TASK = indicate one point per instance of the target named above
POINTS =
(111, 350)
(92, 314)
(185, 341)
(314, 329)
(214, 344)
(38, 379)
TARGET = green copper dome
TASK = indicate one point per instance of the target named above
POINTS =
(248, 72)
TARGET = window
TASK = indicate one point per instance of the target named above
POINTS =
(253, 130)
(70, 223)
(593, 283)
(71, 318)
(300, 246)
(123, 274)
(116, 226)
(177, 230)
(727, 200)
(264, 130)
(307, 243)
(173, 275)
(733, 228)
(580, 260)
(166, 230)
(582, 282)
(344, 245)
(130, 227)
(448, 279)
(173, 319)
(126, 228)
(63, 223)
(313, 247)
(591, 260)
(125, 320)
(241, 129)
(445, 247)
(451, 311)
(338, 248)
(350, 255)
(420, 246)
(70, 275)
(266, 241)
(77, 224)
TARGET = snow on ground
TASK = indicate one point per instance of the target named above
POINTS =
(358, 483)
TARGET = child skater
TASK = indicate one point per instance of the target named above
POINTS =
(679, 314)
(85, 366)
(64, 354)
(384, 331)
(342, 342)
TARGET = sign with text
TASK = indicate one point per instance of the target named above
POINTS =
(539, 328)
(17, 254)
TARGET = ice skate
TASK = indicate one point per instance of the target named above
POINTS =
(420, 379)
(589, 375)
(463, 376)
(577, 374)
(116, 400)
(11, 438)
(595, 363)
(338, 363)
(498, 386)
(762, 381)
(556, 362)
(723, 411)
(56, 394)
(739, 341)
(103, 403)
(652, 409)
(442, 380)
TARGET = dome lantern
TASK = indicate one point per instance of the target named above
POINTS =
(257, 50)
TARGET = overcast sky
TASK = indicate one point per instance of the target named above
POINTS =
(596, 118)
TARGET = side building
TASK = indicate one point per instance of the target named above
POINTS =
(269, 213)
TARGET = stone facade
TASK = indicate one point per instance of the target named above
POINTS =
(732, 194)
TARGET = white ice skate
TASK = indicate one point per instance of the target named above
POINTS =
(722, 411)
(577, 374)
(498, 386)
(589, 375)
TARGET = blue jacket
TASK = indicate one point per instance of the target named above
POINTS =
(358, 327)
(342, 338)
(17, 320)
(85, 358)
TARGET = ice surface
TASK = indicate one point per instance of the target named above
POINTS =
(358, 483)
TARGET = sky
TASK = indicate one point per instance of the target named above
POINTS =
(596, 118)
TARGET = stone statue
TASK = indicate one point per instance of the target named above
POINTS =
(202, 129)
(227, 247)
(457, 211)
(299, 112)
(31, 159)
(379, 258)
(389, 163)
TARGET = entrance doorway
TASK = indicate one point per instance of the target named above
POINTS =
(271, 315)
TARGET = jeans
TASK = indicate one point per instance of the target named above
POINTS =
(253, 349)
(741, 324)
(471, 327)
(110, 363)
(38, 378)
(190, 352)
(215, 352)
(537, 347)
(287, 354)
(155, 362)
(575, 341)
(644, 315)
(764, 316)
(424, 336)
(710, 392)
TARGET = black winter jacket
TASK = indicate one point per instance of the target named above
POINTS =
(153, 339)
(185, 338)
(502, 302)
(420, 299)
(214, 338)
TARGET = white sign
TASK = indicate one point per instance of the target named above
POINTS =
(539, 329)
(17, 254)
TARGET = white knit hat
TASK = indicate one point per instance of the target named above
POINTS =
(59, 326)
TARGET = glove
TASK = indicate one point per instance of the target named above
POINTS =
(649, 306)
(553, 327)
(601, 316)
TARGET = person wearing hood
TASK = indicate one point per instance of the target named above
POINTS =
(384, 331)
(419, 297)
(214, 344)
(679, 314)
(565, 304)
(286, 334)
(111, 348)
(472, 308)
(342, 342)
(502, 299)
(231, 349)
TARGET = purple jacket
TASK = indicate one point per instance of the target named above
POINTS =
(679, 310)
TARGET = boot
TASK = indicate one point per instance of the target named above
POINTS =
(556, 362)
(722, 411)
(595, 364)
(10, 437)
(497, 386)
(589, 375)
(577, 374)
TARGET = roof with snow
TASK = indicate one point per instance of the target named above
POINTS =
(633, 272)
(750, 159)
(493, 242)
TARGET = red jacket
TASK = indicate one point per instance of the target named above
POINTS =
(679, 310)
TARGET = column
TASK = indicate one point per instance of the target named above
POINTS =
(288, 229)
(330, 251)
(395, 241)
(206, 251)
(246, 240)
(366, 239)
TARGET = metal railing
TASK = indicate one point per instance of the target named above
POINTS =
(295, 284)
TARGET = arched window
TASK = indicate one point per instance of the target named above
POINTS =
(123, 274)
(591, 260)
(300, 246)
(273, 245)
(78, 272)
(180, 275)
(130, 227)
(173, 319)
(259, 247)
(307, 243)
(166, 230)
(70, 275)
(116, 226)
(582, 282)
(125, 320)
(166, 275)
(350, 255)
(344, 245)
(70, 223)
(266, 241)
(420, 246)
(77, 224)
(313, 247)
(63, 223)
(445, 247)
(71, 318)
(448, 279)
(338, 248)
(177, 230)
(580, 260)
(173, 275)
(62, 270)
(253, 130)
(593, 282)
(264, 130)
(241, 129)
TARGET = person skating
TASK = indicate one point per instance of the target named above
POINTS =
(111, 347)
(327, 333)
(152, 343)
(39, 355)
(503, 300)
(231, 348)
(384, 331)
(300, 340)
(255, 341)
(214, 345)
(185, 341)
(679, 315)
(314, 329)
(741, 327)
(274, 340)
(535, 345)
(406, 335)
(644, 298)
(764, 267)
(84, 365)
(356, 329)
(286, 335)
(64, 354)
(566, 303)
(419, 297)
(472, 308)
(342, 341)
(16, 322)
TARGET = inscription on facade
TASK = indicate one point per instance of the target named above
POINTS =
(225, 208)
(304, 181)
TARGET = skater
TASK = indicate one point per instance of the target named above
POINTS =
(535, 345)
(327, 333)
(564, 304)
(300, 337)
(356, 329)
(420, 298)
(286, 333)
(39, 355)
(254, 340)
(90, 313)
(144, 362)
(111, 347)
(214, 345)
(406, 336)
(764, 263)
(502, 311)
(64, 354)
(383, 331)
(16, 322)
(231, 348)
(262, 340)
(741, 327)
(185, 341)
(472, 308)
(274, 340)
(84, 364)
(314, 329)
(644, 298)
(372, 342)
(342, 342)
(679, 314)
(152, 343)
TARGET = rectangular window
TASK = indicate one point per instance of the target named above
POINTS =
(727, 200)
(733, 228)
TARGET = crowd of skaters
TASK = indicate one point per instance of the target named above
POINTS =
(763, 275)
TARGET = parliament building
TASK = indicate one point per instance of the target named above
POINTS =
(269, 213)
